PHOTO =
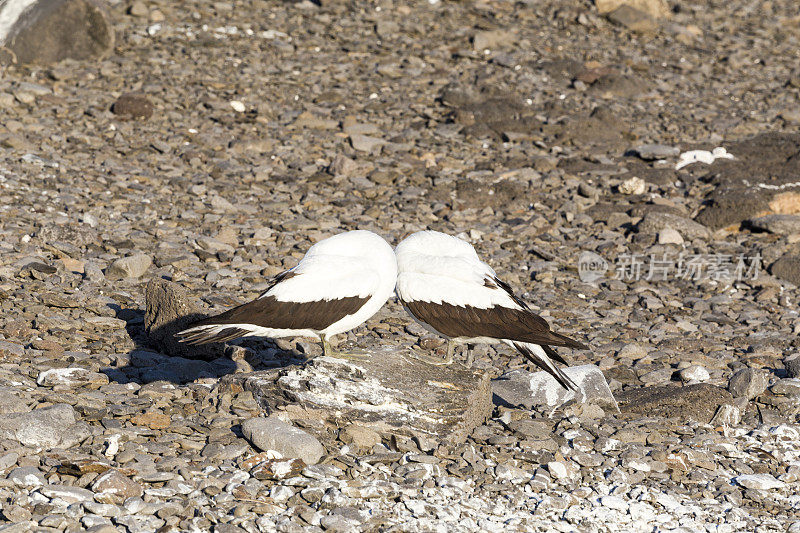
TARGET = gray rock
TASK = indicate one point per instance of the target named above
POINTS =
(27, 476)
(71, 377)
(48, 427)
(792, 364)
(169, 310)
(390, 392)
(669, 236)
(748, 383)
(491, 39)
(651, 152)
(11, 349)
(67, 493)
(366, 143)
(272, 433)
(11, 403)
(786, 387)
(522, 388)
(49, 31)
(633, 19)
(759, 481)
(787, 268)
(692, 402)
(133, 266)
(654, 222)
(777, 224)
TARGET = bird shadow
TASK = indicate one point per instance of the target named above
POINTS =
(158, 356)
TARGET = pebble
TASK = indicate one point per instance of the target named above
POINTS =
(759, 482)
(273, 433)
(748, 383)
(133, 266)
(695, 373)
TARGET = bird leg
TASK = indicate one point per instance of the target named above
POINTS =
(352, 355)
(433, 360)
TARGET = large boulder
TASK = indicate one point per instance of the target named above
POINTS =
(388, 391)
(48, 31)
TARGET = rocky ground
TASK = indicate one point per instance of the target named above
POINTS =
(537, 131)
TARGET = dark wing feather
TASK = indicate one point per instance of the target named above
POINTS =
(497, 322)
(269, 312)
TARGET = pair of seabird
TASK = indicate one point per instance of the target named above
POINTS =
(343, 280)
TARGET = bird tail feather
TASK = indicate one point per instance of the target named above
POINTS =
(538, 355)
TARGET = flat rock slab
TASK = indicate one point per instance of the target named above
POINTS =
(693, 402)
(48, 31)
(762, 180)
(168, 310)
(520, 388)
(389, 391)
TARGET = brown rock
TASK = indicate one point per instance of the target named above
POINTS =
(169, 310)
(633, 19)
(654, 8)
(131, 105)
(152, 420)
(693, 402)
(53, 30)
(787, 268)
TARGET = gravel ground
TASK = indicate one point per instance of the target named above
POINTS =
(260, 127)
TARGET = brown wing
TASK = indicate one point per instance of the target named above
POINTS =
(498, 322)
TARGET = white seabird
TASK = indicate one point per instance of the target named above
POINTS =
(443, 284)
(340, 283)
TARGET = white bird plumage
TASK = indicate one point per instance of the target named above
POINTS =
(445, 286)
(340, 283)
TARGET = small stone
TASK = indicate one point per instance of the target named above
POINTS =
(694, 373)
(153, 420)
(558, 470)
(139, 9)
(359, 436)
(114, 487)
(777, 224)
(669, 236)
(697, 402)
(759, 482)
(655, 221)
(365, 143)
(342, 166)
(71, 377)
(522, 388)
(655, 8)
(651, 152)
(792, 364)
(11, 403)
(27, 476)
(132, 106)
(787, 268)
(748, 383)
(786, 387)
(67, 493)
(633, 19)
(133, 266)
(168, 310)
(634, 185)
(272, 433)
(492, 39)
(614, 502)
(47, 427)
(728, 415)
(238, 106)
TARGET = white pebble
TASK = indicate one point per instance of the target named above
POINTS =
(695, 373)
(238, 106)
(669, 236)
(614, 502)
(635, 185)
(759, 482)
